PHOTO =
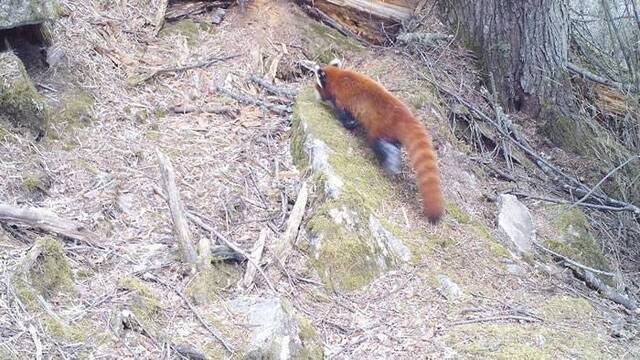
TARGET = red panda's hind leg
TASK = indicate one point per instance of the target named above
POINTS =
(388, 154)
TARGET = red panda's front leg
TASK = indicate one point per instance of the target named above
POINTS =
(346, 119)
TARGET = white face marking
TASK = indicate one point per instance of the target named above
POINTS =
(315, 71)
(318, 96)
(336, 62)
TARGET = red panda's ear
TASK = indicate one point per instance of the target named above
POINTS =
(336, 62)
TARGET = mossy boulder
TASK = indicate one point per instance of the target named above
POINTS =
(20, 104)
(16, 13)
(569, 234)
(349, 245)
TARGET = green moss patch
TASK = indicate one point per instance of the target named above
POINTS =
(312, 347)
(566, 308)
(571, 235)
(75, 109)
(533, 341)
(204, 288)
(51, 273)
(142, 302)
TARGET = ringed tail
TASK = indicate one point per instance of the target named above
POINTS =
(424, 162)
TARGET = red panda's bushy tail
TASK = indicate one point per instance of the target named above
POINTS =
(424, 162)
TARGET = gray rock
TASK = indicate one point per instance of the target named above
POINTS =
(516, 269)
(274, 330)
(448, 288)
(389, 245)
(218, 16)
(16, 13)
(318, 153)
(20, 103)
(515, 220)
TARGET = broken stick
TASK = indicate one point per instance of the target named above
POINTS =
(180, 227)
(285, 244)
(256, 255)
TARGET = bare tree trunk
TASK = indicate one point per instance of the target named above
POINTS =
(523, 45)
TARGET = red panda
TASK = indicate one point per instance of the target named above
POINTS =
(359, 100)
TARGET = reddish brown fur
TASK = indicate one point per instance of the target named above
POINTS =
(384, 116)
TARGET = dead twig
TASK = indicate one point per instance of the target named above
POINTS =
(223, 110)
(603, 180)
(205, 63)
(285, 244)
(36, 341)
(276, 90)
(180, 227)
(572, 262)
(44, 220)
(599, 79)
(256, 256)
(563, 201)
(276, 108)
(593, 282)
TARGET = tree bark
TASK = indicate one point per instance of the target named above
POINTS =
(523, 46)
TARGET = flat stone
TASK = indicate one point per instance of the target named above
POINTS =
(448, 288)
(515, 220)
(274, 332)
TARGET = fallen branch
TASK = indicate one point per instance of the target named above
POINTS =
(572, 262)
(428, 39)
(28, 260)
(180, 227)
(44, 220)
(36, 341)
(496, 318)
(599, 79)
(288, 93)
(284, 245)
(593, 282)
(603, 180)
(205, 63)
(563, 201)
(185, 109)
(276, 108)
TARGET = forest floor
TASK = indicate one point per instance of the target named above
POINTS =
(98, 166)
